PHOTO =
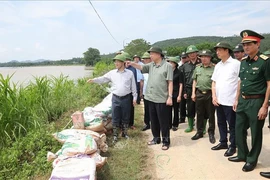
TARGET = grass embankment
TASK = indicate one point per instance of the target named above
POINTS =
(29, 115)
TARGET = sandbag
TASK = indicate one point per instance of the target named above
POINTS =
(78, 120)
(75, 168)
(99, 127)
(108, 124)
(99, 160)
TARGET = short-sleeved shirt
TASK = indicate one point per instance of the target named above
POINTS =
(139, 73)
(226, 78)
(177, 79)
(157, 85)
(203, 76)
(254, 74)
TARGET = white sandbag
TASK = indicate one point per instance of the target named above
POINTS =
(99, 127)
(99, 160)
(75, 168)
(78, 120)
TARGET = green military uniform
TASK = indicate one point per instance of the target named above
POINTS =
(254, 74)
(204, 106)
(267, 53)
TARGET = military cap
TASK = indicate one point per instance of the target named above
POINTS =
(238, 48)
(120, 57)
(266, 52)
(146, 55)
(191, 49)
(206, 52)
(250, 36)
(136, 56)
(126, 55)
(183, 55)
(173, 59)
(157, 50)
(223, 45)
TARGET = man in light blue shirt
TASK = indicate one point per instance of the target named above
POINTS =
(123, 83)
(140, 77)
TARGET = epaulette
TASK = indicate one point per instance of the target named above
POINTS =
(198, 64)
(244, 58)
(264, 57)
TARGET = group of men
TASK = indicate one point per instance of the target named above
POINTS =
(238, 89)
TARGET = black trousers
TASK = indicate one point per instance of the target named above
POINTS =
(159, 121)
(138, 93)
(205, 108)
(146, 112)
(190, 105)
(226, 114)
(120, 110)
(174, 121)
(131, 117)
(183, 109)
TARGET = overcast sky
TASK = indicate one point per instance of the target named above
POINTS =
(31, 30)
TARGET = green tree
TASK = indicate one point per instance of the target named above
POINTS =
(137, 46)
(91, 56)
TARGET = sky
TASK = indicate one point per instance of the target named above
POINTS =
(55, 30)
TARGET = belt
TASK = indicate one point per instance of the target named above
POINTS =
(204, 92)
(257, 96)
(121, 97)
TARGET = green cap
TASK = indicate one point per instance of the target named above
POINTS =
(136, 56)
(238, 48)
(206, 52)
(191, 49)
(126, 55)
(223, 45)
(120, 57)
(146, 55)
(250, 36)
(173, 59)
(183, 54)
(266, 52)
(157, 50)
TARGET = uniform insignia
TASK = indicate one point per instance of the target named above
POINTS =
(236, 47)
(245, 34)
(203, 52)
(244, 58)
(190, 48)
(264, 57)
(256, 58)
(255, 68)
(218, 44)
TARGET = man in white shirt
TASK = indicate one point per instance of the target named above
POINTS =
(224, 87)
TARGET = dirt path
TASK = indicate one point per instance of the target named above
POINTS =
(188, 159)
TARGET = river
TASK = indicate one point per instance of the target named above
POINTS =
(23, 75)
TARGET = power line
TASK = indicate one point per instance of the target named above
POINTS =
(102, 21)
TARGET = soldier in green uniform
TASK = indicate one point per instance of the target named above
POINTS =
(238, 52)
(267, 53)
(188, 69)
(202, 95)
(251, 104)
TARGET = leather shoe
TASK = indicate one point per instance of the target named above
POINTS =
(146, 127)
(265, 174)
(220, 146)
(212, 138)
(249, 167)
(236, 159)
(197, 136)
(230, 152)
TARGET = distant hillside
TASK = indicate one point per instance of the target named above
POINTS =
(184, 42)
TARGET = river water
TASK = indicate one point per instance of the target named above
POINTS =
(22, 75)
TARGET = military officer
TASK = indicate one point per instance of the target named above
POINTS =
(251, 104)
(202, 95)
(238, 52)
(188, 69)
(183, 103)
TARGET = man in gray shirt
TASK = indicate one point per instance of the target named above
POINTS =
(159, 94)
(123, 83)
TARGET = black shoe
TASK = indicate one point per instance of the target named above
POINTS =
(197, 136)
(265, 174)
(146, 127)
(249, 167)
(220, 146)
(230, 152)
(212, 138)
(174, 128)
(236, 159)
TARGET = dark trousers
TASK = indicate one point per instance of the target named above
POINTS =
(226, 114)
(159, 121)
(131, 117)
(205, 108)
(246, 116)
(146, 112)
(138, 93)
(190, 104)
(120, 110)
(183, 109)
(175, 108)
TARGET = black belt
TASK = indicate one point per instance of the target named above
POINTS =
(204, 92)
(121, 97)
(255, 96)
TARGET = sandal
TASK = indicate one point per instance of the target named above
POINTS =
(165, 147)
(153, 142)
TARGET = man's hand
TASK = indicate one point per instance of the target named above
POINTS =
(215, 101)
(179, 99)
(185, 96)
(169, 101)
(134, 103)
(262, 114)
(193, 97)
(90, 81)
(235, 105)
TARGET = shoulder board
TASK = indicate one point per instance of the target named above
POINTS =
(264, 57)
(199, 64)
(244, 58)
